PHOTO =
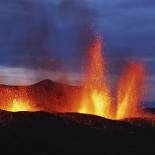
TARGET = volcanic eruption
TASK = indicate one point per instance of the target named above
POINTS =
(48, 117)
(96, 95)
(130, 92)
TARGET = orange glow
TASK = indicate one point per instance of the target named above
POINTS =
(16, 99)
(96, 97)
(93, 98)
(130, 91)
(19, 105)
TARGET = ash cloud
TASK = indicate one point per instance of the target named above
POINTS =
(44, 36)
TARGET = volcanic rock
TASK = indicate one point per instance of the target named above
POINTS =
(70, 133)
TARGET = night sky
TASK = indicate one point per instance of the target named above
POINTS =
(48, 38)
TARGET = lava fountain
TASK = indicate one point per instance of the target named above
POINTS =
(16, 99)
(130, 91)
(96, 98)
(96, 94)
(19, 105)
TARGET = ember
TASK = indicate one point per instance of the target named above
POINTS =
(96, 94)
(19, 105)
(97, 98)
(130, 91)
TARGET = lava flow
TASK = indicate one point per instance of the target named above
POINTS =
(96, 95)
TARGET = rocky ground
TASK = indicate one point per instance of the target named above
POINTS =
(44, 133)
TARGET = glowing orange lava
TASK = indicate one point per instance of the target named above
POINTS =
(130, 91)
(16, 98)
(96, 97)
(19, 105)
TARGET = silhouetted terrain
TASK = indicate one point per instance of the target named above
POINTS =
(70, 133)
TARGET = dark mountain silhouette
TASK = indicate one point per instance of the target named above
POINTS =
(40, 133)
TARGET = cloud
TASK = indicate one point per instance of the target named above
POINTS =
(127, 25)
(60, 29)
(25, 76)
(120, 4)
(55, 29)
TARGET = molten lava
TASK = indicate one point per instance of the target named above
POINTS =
(96, 98)
(16, 99)
(19, 105)
(130, 91)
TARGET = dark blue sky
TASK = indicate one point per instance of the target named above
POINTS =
(38, 36)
